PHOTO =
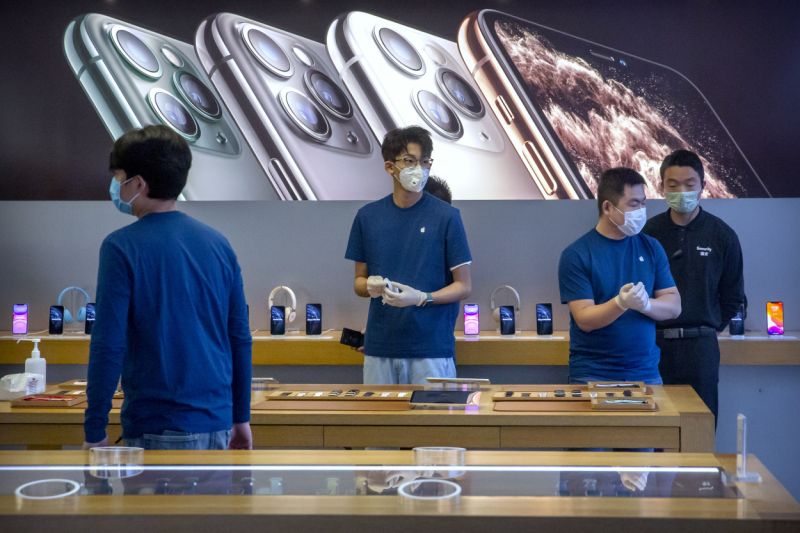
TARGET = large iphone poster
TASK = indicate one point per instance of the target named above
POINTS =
(290, 100)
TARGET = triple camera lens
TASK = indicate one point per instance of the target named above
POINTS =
(169, 109)
(304, 112)
(433, 109)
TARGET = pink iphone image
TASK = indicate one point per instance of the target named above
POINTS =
(19, 322)
(472, 317)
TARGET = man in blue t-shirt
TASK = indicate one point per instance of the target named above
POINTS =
(412, 259)
(171, 313)
(617, 283)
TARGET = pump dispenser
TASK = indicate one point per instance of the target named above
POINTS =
(36, 364)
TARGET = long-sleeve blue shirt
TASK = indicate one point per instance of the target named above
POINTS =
(172, 320)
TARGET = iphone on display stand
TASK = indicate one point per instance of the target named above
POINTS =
(736, 325)
(313, 319)
(135, 77)
(544, 319)
(277, 320)
(507, 320)
(19, 320)
(308, 135)
(56, 322)
(560, 97)
(472, 317)
(400, 76)
(91, 315)
(775, 318)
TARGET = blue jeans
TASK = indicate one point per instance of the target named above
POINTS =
(400, 371)
(181, 440)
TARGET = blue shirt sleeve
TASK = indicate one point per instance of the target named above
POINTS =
(663, 279)
(573, 278)
(241, 348)
(355, 244)
(456, 246)
(109, 342)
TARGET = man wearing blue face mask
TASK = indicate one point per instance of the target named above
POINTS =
(413, 261)
(617, 284)
(171, 313)
(706, 260)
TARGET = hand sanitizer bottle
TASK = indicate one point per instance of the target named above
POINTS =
(35, 364)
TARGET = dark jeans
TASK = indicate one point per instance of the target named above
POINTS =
(692, 362)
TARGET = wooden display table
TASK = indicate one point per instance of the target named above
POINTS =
(755, 507)
(681, 422)
(489, 348)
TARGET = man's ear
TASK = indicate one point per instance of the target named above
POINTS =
(388, 166)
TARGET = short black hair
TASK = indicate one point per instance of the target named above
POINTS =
(396, 141)
(683, 158)
(157, 154)
(439, 188)
(612, 185)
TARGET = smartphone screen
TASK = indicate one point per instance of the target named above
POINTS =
(19, 323)
(736, 325)
(313, 319)
(90, 316)
(507, 320)
(56, 325)
(775, 318)
(277, 320)
(544, 319)
(472, 317)
(351, 337)
(582, 94)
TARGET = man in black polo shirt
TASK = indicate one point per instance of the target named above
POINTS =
(706, 261)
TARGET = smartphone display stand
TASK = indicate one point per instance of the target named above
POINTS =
(742, 475)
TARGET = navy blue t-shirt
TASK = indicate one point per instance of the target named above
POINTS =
(418, 246)
(594, 268)
(172, 320)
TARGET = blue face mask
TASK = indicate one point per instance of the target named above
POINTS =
(122, 205)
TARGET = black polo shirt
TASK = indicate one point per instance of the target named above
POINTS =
(706, 261)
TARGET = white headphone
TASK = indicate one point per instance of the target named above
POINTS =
(496, 309)
(290, 309)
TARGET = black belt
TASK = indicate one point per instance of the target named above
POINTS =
(686, 333)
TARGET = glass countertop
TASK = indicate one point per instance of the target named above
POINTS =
(62, 481)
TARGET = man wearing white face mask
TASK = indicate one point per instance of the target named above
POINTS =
(617, 284)
(706, 259)
(413, 261)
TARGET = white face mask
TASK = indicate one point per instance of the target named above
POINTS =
(634, 221)
(413, 179)
(683, 202)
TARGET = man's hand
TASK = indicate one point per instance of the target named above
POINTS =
(375, 286)
(402, 296)
(633, 297)
(89, 445)
(241, 437)
(634, 481)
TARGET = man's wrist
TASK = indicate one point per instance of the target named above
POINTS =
(618, 301)
(426, 298)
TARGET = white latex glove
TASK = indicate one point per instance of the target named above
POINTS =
(634, 481)
(633, 297)
(402, 296)
(375, 286)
